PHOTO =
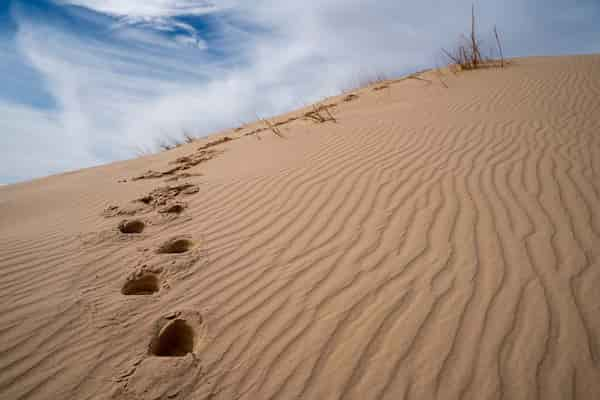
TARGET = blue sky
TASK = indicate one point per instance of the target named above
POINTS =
(85, 82)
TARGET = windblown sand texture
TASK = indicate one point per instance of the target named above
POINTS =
(430, 243)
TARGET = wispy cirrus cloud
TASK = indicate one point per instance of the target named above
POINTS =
(152, 8)
(159, 15)
(102, 77)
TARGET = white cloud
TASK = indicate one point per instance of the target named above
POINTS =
(38, 144)
(151, 8)
(156, 15)
(191, 41)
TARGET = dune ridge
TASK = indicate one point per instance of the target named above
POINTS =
(433, 243)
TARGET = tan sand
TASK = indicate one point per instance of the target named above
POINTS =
(434, 243)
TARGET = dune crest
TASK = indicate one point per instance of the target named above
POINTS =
(425, 242)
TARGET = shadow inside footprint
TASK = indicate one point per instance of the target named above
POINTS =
(132, 226)
(176, 208)
(175, 340)
(145, 284)
(175, 245)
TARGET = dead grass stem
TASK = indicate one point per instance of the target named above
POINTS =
(273, 128)
(467, 54)
(320, 114)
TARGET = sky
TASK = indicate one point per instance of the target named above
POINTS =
(87, 82)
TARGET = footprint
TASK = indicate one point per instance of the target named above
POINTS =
(140, 285)
(160, 196)
(132, 226)
(176, 245)
(176, 208)
(178, 334)
(176, 340)
(185, 163)
(171, 367)
(192, 189)
(128, 209)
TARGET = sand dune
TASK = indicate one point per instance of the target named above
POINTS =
(433, 243)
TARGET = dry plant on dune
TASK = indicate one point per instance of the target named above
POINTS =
(372, 79)
(272, 127)
(188, 137)
(170, 142)
(320, 114)
(440, 76)
(499, 47)
(467, 54)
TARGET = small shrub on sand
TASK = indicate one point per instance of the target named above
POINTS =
(320, 114)
(170, 142)
(467, 54)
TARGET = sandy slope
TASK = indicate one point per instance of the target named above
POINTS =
(433, 243)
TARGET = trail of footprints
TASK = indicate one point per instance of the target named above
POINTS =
(176, 335)
(164, 199)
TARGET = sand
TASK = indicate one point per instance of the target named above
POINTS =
(432, 243)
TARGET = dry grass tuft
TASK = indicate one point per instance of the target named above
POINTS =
(371, 80)
(320, 114)
(273, 128)
(170, 142)
(188, 137)
(467, 54)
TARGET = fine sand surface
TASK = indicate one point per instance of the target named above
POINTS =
(433, 243)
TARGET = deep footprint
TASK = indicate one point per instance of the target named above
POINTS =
(178, 334)
(132, 226)
(176, 208)
(146, 284)
(176, 245)
(176, 340)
